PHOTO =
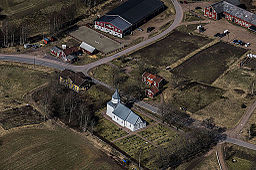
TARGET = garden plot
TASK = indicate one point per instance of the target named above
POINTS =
(207, 65)
(134, 146)
(159, 135)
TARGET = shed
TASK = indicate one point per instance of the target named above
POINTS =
(87, 48)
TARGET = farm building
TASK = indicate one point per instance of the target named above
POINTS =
(87, 48)
(57, 52)
(155, 82)
(75, 81)
(128, 16)
(229, 9)
(123, 115)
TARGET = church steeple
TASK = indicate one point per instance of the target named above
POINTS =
(116, 97)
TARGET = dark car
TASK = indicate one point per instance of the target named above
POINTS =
(149, 29)
(217, 35)
(185, 2)
(181, 2)
(235, 42)
(198, 7)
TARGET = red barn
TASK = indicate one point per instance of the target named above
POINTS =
(128, 16)
(229, 10)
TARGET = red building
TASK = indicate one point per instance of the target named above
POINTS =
(155, 82)
(128, 16)
(229, 9)
(57, 52)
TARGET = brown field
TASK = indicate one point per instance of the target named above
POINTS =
(15, 117)
(50, 148)
(207, 65)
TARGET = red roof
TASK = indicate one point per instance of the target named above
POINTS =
(155, 78)
(154, 90)
(71, 50)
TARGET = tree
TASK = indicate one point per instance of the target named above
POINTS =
(252, 131)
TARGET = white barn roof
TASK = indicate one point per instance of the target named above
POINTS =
(87, 47)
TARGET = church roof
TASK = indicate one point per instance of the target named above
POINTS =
(122, 111)
(126, 114)
(116, 95)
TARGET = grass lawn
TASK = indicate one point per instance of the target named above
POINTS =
(237, 79)
(55, 148)
(159, 135)
(251, 63)
(207, 65)
(108, 129)
(16, 81)
(133, 145)
(209, 163)
(226, 111)
(245, 158)
(240, 164)
(195, 96)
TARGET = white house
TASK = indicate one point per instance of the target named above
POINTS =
(123, 115)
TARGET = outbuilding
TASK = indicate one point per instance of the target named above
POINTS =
(87, 48)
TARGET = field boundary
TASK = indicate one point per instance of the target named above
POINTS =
(235, 64)
(182, 60)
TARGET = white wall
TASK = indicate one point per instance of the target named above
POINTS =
(118, 120)
(108, 31)
(110, 110)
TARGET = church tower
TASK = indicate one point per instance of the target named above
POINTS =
(111, 105)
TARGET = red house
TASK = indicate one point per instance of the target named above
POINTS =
(228, 9)
(57, 52)
(155, 82)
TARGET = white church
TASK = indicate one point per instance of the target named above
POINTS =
(123, 115)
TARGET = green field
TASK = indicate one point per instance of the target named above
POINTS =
(207, 65)
(55, 148)
(16, 81)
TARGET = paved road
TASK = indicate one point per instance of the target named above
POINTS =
(241, 143)
(243, 121)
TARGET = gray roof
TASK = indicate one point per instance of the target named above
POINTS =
(131, 12)
(87, 47)
(132, 118)
(218, 6)
(122, 111)
(239, 13)
(56, 49)
(112, 104)
(121, 23)
(229, 6)
(126, 114)
(116, 95)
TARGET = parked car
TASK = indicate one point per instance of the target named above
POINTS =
(198, 7)
(235, 42)
(185, 2)
(241, 42)
(247, 44)
(217, 35)
(181, 2)
(149, 29)
(139, 29)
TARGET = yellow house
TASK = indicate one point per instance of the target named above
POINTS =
(75, 81)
